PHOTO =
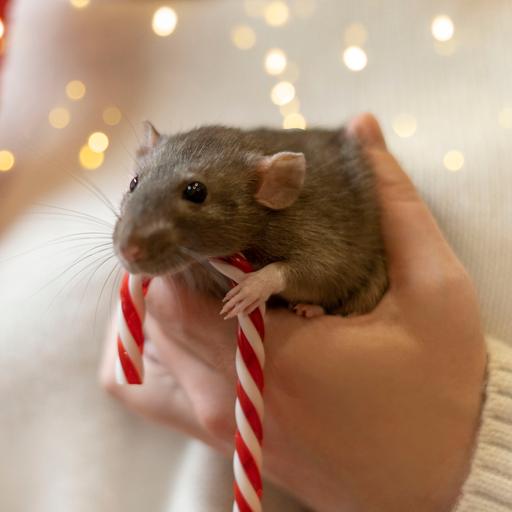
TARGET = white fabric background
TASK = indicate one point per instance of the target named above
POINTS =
(64, 444)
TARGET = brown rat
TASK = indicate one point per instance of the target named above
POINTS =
(300, 205)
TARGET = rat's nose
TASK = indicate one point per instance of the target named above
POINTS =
(132, 253)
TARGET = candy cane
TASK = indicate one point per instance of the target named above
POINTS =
(250, 361)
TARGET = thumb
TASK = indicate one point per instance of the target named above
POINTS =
(415, 247)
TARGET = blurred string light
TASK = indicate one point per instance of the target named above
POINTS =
(442, 28)
(291, 107)
(275, 61)
(2, 28)
(505, 118)
(276, 13)
(282, 93)
(243, 37)
(7, 160)
(111, 116)
(355, 34)
(164, 21)
(355, 58)
(79, 4)
(453, 160)
(98, 142)
(404, 125)
(90, 159)
(294, 120)
(75, 90)
(59, 117)
(303, 8)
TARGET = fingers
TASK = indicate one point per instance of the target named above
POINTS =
(416, 249)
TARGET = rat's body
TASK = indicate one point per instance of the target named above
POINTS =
(311, 227)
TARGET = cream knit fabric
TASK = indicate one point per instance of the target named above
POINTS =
(489, 485)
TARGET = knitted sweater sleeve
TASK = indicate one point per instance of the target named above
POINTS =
(488, 487)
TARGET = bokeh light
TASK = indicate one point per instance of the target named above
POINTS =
(294, 120)
(89, 159)
(275, 61)
(355, 58)
(112, 116)
(292, 107)
(505, 118)
(79, 4)
(59, 117)
(75, 90)
(405, 125)
(164, 21)
(98, 142)
(282, 93)
(355, 35)
(243, 37)
(453, 160)
(6, 160)
(2, 28)
(442, 28)
(276, 13)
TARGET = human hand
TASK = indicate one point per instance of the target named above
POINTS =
(371, 413)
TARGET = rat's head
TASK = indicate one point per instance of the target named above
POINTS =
(200, 194)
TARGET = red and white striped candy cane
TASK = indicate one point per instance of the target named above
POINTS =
(130, 333)
(250, 361)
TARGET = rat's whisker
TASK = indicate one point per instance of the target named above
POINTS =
(98, 302)
(100, 257)
(78, 214)
(95, 190)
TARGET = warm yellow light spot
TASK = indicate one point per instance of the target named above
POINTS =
(355, 58)
(79, 4)
(505, 118)
(2, 28)
(405, 125)
(59, 117)
(453, 160)
(112, 116)
(291, 107)
(243, 37)
(355, 35)
(255, 8)
(164, 21)
(282, 93)
(75, 90)
(275, 61)
(90, 159)
(6, 160)
(442, 28)
(98, 142)
(295, 120)
(304, 8)
(276, 13)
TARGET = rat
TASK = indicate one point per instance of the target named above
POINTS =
(299, 204)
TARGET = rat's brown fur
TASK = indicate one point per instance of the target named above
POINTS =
(329, 238)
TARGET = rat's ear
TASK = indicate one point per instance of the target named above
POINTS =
(151, 139)
(281, 179)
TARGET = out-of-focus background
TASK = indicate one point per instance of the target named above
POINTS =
(77, 79)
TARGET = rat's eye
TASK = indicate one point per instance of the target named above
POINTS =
(195, 192)
(134, 183)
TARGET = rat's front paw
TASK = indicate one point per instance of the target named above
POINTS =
(254, 290)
